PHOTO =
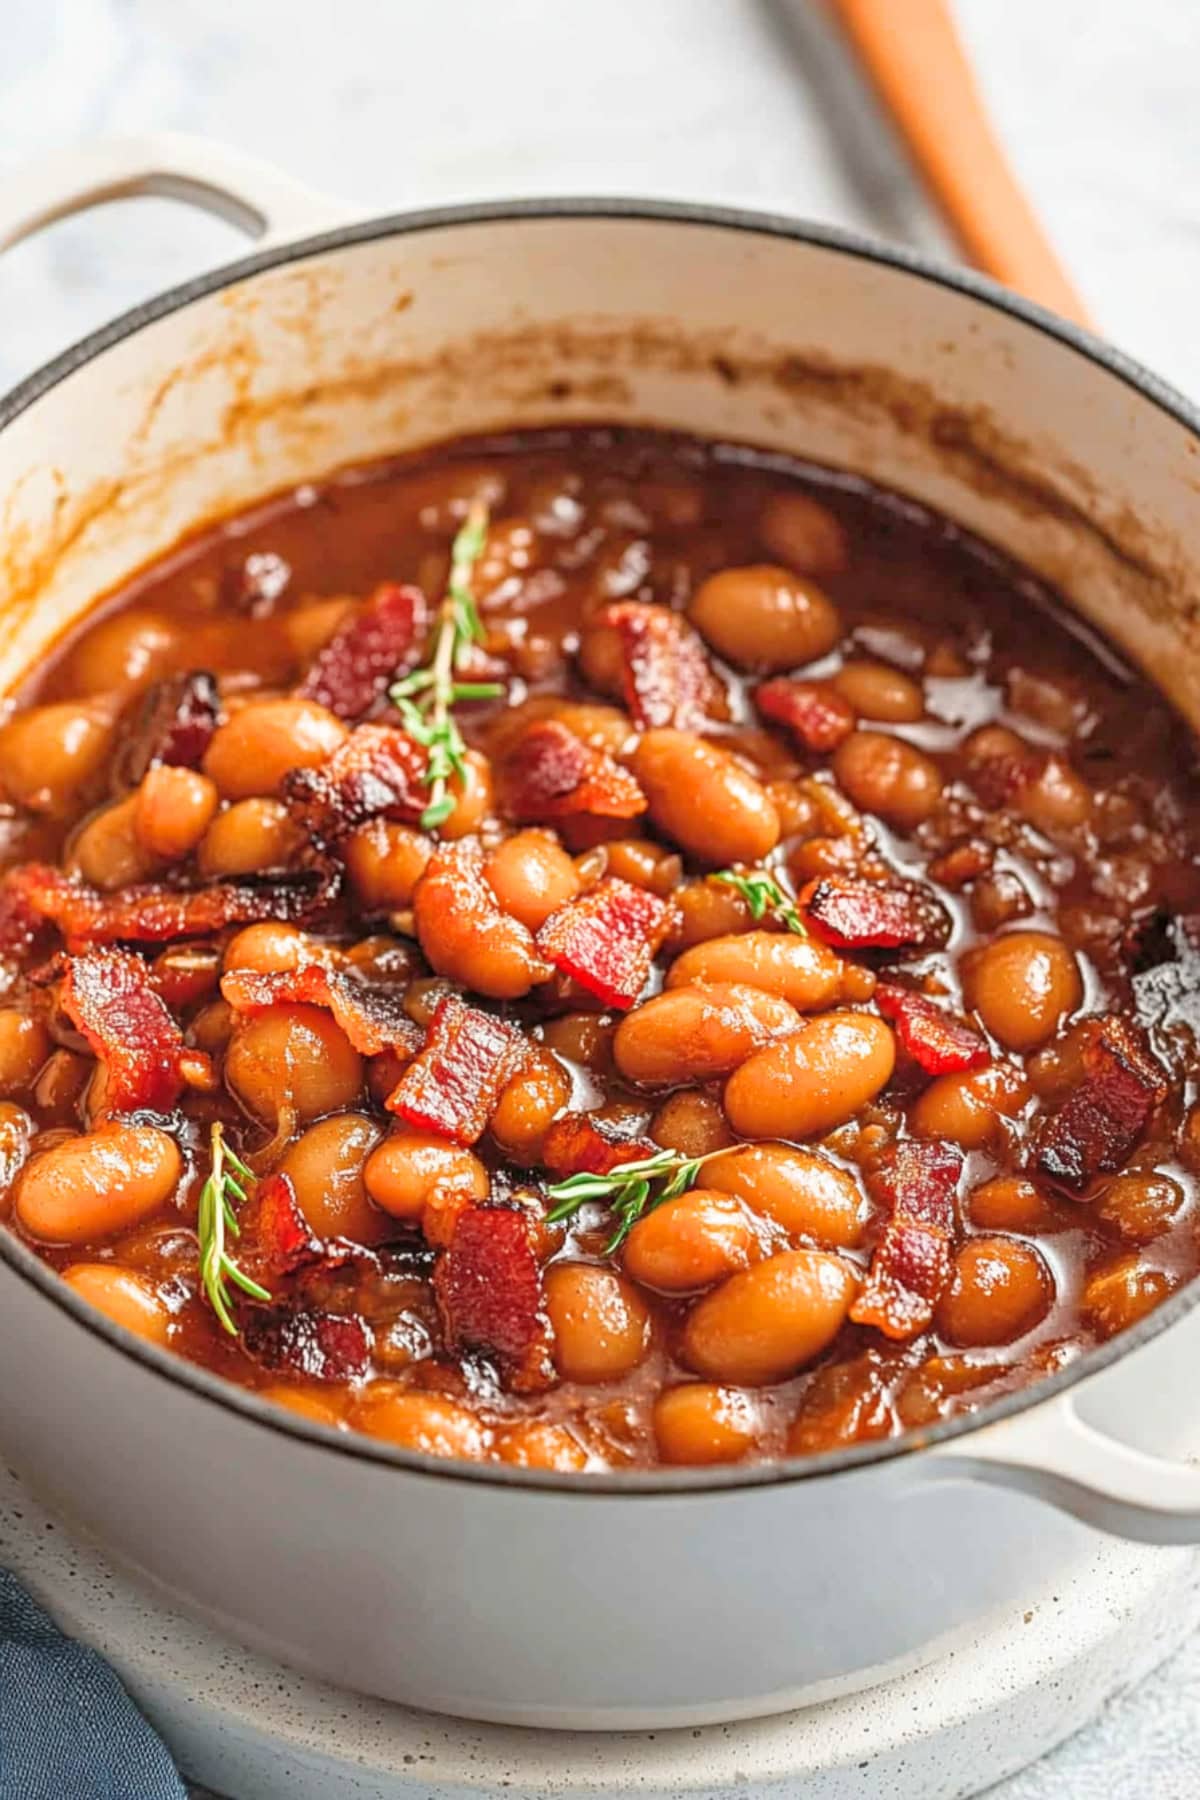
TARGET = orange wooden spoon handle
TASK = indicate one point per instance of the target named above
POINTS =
(914, 59)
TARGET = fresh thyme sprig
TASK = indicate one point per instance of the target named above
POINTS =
(763, 895)
(226, 1184)
(427, 696)
(630, 1191)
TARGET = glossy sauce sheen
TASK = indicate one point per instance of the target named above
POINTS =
(719, 1331)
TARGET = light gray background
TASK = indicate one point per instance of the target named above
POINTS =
(410, 102)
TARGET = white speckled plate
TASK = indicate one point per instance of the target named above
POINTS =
(255, 1731)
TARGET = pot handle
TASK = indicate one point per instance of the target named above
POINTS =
(1053, 1454)
(259, 199)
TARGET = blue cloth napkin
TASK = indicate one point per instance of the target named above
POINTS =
(68, 1729)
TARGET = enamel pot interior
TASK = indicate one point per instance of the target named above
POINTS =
(381, 338)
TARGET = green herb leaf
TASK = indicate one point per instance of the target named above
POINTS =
(229, 1180)
(763, 895)
(427, 696)
(631, 1190)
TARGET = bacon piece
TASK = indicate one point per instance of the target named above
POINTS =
(582, 1143)
(1098, 1125)
(108, 995)
(378, 773)
(550, 773)
(489, 1291)
(320, 1346)
(814, 713)
(147, 915)
(373, 1018)
(606, 939)
(275, 1239)
(851, 914)
(916, 1180)
(911, 1264)
(937, 1043)
(667, 678)
(175, 723)
(452, 1086)
(379, 643)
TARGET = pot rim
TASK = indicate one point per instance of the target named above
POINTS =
(675, 1483)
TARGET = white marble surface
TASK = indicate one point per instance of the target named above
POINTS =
(399, 102)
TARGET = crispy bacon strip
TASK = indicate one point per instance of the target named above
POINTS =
(581, 1143)
(108, 996)
(489, 1291)
(148, 915)
(1099, 1123)
(373, 1018)
(937, 1043)
(378, 773)
(813, 712)
(911, 1265)
(851, 914)
(606, 939)
(550, 774)
(378, 644)
(451, 1087)
(175, 723)
(668, 680)
(319, 1346)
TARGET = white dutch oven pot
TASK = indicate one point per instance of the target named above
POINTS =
(671, 1597)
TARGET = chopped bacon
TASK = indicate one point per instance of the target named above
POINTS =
(373, 1018)
(937, 1043)
(668, 680)
(852, 914)
(275, 1239)
(1099, 1123)
(489, 1291)
(452, 1086)
(908, 1272)
(108, 995)
(911, 1265)
(814, 713)
(175, 723)
(376, 645)
(320, 1346)
(584, 1143)
(152, 914)
(550, 773)
(606, 939)
(378, 773)
(916, 1180)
